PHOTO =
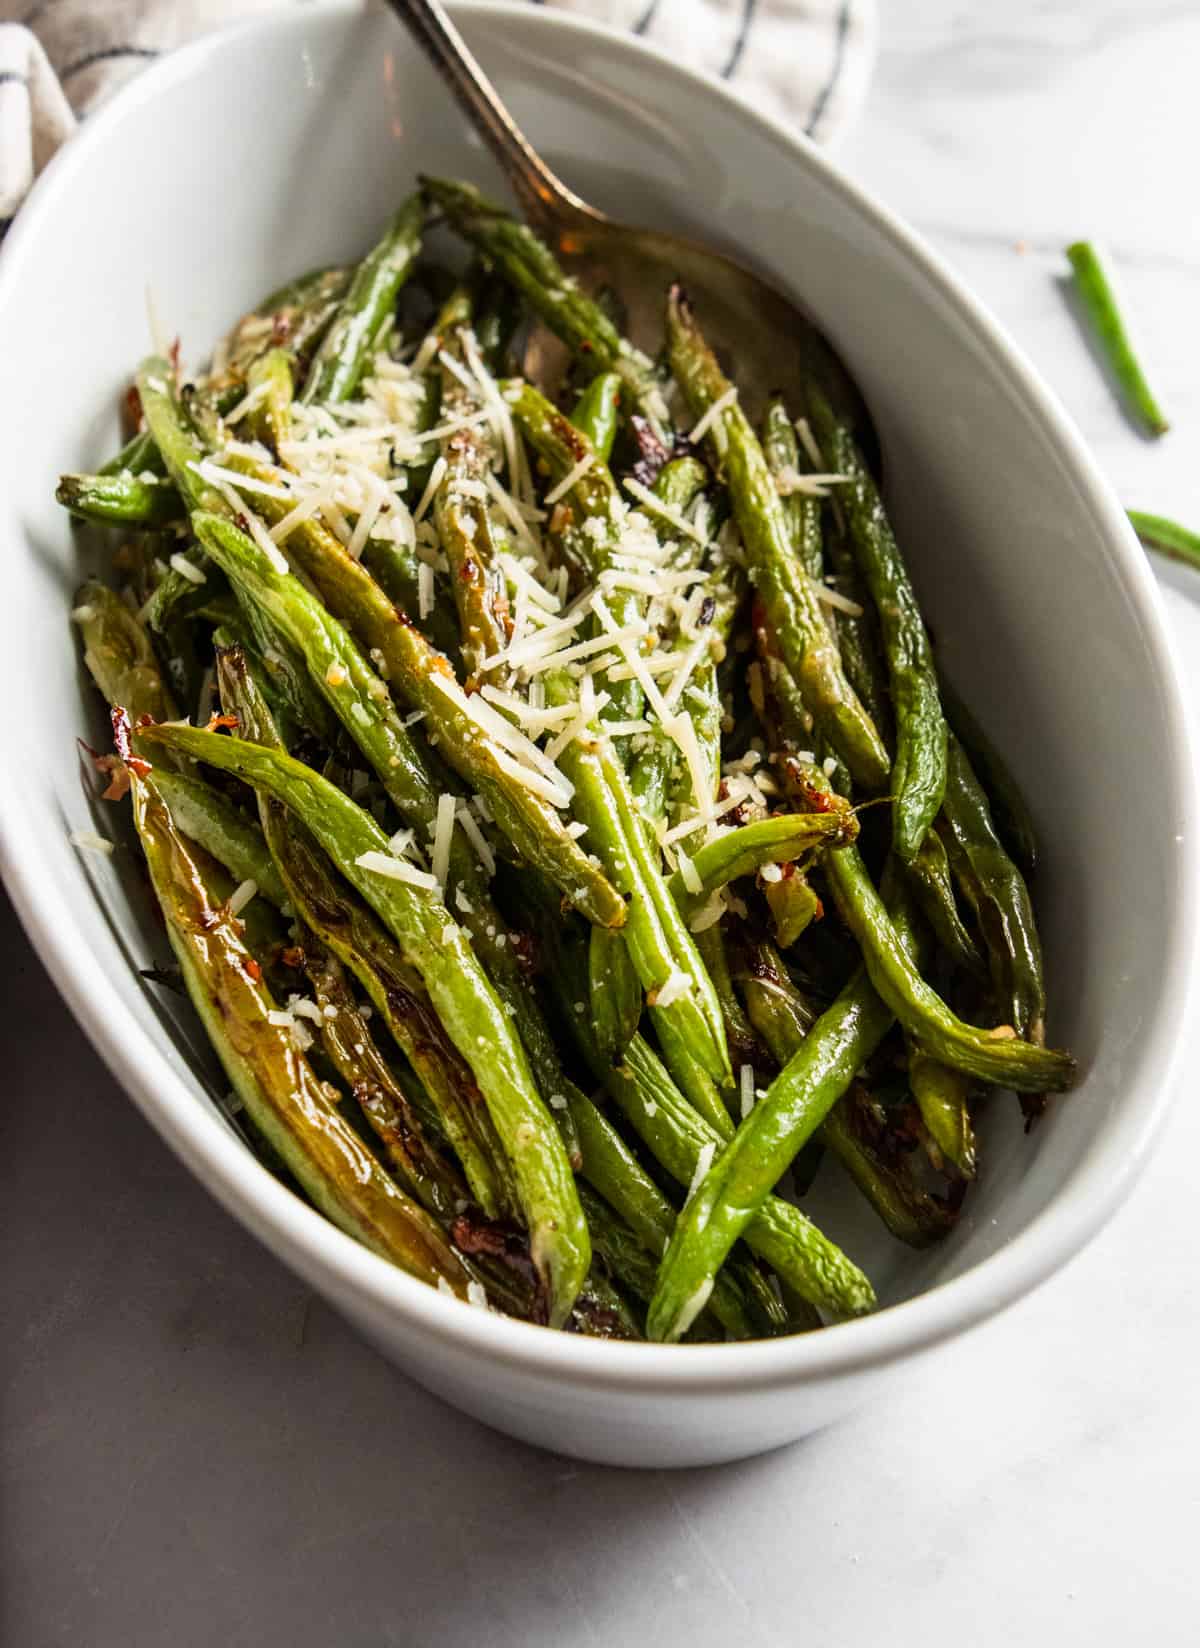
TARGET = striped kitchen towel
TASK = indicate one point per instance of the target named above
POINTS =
(806, 61)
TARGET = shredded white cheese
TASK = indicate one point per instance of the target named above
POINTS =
(301, 1035)
(241, 896)
(746, 1088)
(503, 733)
(839, 602)
(425, 590)
(187, 569)
(443, 834)
(436, 476)
(305, 1008)
(302, 511)
(217, 475)
(248, 402)
(703, 1163)
(474, 835)
(809, 443)
(397, 869)
(88, 841)
(689, 873)
(570, 479)
(702, 427)
(664, 511)
(676, 984)
(532, 781)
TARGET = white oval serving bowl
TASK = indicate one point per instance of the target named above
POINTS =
(259, 153)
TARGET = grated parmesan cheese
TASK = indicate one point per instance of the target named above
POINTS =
(705, 423)
(503, 733)
(436, 476)
(689, 873)
(241, 896)
(532, 781)
(703, 1163)
(303, 510)
(746, 1088)
(285, 1019)
(187, 569)
(304, 1008)
(676, 984)
(443, 833)
(788, 480)
(698, 821)
(88, 841)
(396, 869)
(248, 402)
(809, 442)
(570, 479)
(530, 716)
(425, 589)
(474, 835)
(839, 602)
(664, 511)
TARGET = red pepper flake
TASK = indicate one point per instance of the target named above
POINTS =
(816, 800)
(251, 969)
(133, 408)
(118, 777)
(122, 739)
(216, 722)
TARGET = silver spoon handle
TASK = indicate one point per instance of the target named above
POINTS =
(534, 184)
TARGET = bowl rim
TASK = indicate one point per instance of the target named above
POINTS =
(303, 1237)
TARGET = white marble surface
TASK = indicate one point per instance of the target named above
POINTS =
(195, 1452)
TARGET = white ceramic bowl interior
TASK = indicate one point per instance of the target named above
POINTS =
(269, 150)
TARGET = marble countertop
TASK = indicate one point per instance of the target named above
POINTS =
(194, 1450)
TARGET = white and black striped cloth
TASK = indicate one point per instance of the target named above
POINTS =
(807, 61)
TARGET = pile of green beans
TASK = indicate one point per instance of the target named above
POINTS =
(558, 820)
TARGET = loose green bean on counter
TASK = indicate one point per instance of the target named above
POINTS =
(549, 797)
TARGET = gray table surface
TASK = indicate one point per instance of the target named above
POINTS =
(195, 1451)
